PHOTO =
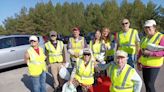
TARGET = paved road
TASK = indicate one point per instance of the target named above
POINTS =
(17, 80)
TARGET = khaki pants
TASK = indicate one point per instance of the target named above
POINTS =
(55, 67)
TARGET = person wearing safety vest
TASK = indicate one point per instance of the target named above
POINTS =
(109, 44)
(75, 45)
(128, 40)
(35, 59)
(82, 74)
(55, 57)
(150, 61)
(97, 47)
(123, 77)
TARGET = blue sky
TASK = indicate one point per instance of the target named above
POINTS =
(9, 8)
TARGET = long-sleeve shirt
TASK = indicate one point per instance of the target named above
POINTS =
(155, 53)
(158, 53)
(135, 78)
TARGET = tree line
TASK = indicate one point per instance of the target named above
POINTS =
(45, 17)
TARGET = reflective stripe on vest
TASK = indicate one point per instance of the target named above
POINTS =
(77, 46)
(127, 43)
(55, 54)
(78, 68)
(150, 60)
(36, 62)
(122, 86)
(111, 52)
(96, 48)
(84, 74)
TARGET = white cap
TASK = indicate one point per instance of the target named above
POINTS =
(33, 37)
(121, 53)
(149, 23)
(87, 51)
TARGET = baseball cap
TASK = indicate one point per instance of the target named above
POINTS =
(149, 23)
(121, 53)
(53, 33)
(86, 51)
(75, 29)
(33, 37)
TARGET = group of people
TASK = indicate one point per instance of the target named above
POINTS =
(117, 57)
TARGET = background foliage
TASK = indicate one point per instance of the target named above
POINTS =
(45, 17)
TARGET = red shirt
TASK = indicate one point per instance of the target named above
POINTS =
(37, 50)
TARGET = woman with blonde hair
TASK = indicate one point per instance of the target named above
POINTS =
(107, 41)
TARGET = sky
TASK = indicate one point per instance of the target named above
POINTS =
(8, 8)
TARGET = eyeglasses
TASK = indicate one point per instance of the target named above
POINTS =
(125, 23)
(32, 41)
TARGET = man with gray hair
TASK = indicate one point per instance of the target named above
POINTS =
(128, 40)
(123, 77)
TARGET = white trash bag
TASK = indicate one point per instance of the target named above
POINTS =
(68, 87)
(64, 73)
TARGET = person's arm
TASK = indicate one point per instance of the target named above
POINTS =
(117, 41)
(85, 43)
(73, 74)
(103, 66)
(47, 56)
(26, 58)
(137, 43)
(63, 53)
(156, 53)
(69, 47)
(137, 82)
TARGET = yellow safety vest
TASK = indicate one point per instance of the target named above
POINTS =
(96, 48)
(150, 60)
(112, 50)
(55, 54)
(36, 62)
(122, 82)
(108, 52)
(84, 74)
(127, 43)
(77, 46)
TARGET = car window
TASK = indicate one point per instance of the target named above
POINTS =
(21, 41)
(6, 42)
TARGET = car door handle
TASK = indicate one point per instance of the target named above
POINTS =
(12, 50)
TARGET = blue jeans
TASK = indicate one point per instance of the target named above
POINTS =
(39, 83)
(132, 59)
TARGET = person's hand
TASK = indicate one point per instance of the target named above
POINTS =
(139, 66)
(69, 82)
(76, 55)
(49, 65)
(146, 52)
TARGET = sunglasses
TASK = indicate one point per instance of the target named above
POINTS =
(32, 41)
(147, 27)
(86, 54)
(125, 23)
(53, 35)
